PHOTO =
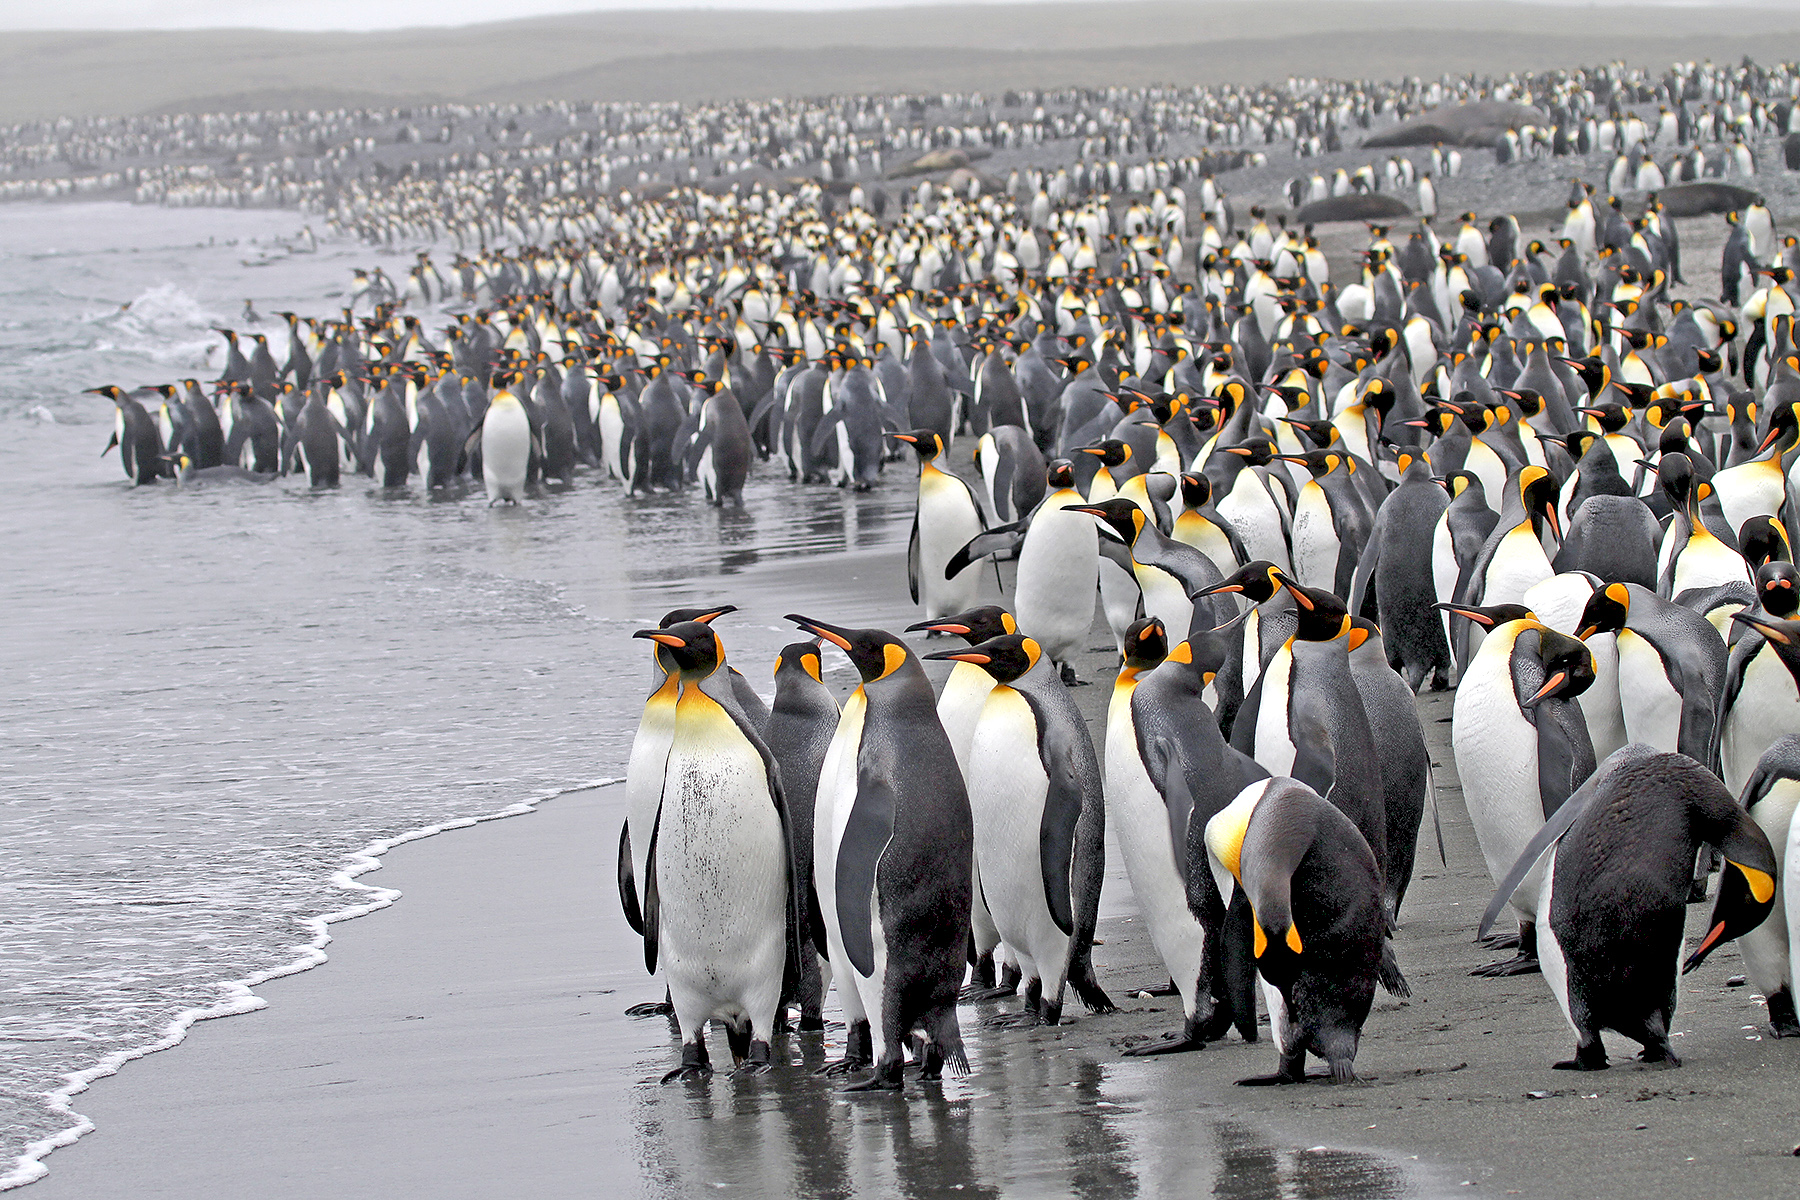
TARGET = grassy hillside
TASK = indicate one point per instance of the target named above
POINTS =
(698, 54)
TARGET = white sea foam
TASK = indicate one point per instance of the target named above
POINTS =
(238, 996)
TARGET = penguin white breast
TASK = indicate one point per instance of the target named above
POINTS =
(1058, 566)
(959, 708)
(1766, 708)
(1007, 787)
(1316, 541)
(1518, 564)
(1497, 760)
(1651, 704)
(1274, 738)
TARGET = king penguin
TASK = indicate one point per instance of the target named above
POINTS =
(1760, 700)
(1522, 749)
(1035, 793)
(802, 721)
(1615, 891)
(1672, 666)
(507, 444)
(1319, 926)
(1770, 797)
(893, 843)
(1397, 564)
(718, 899)
(947, 517)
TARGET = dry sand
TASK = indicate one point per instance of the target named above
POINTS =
(709, 54)
(467, 1043)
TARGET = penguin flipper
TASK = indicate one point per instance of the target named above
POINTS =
(866, 836)
(815, 919)
(913, 567)
(998, 540)
(1056, 830)
(1315, 756)
(627, 884)
(1392, 981)
(652, 913)
(1168, 773)
(1366, 562)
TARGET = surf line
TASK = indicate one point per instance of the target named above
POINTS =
(29, 1167)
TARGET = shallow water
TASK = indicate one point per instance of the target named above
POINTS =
(215, 696)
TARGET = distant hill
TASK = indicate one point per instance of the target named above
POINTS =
(707, 54)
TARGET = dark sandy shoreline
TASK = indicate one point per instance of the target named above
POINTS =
(467, 1042)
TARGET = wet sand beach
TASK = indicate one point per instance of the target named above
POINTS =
(470, 1040)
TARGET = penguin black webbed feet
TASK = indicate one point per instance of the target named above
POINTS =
(1278, 1079)
(887, 1077)
(842, 1066)
(975, 995)
(1591, 1057)
(1783, 1022)
(1168, 1043)
(758, 1062)
(695, 1064)
(1520, 965)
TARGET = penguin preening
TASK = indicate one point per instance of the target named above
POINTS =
(1613, 899)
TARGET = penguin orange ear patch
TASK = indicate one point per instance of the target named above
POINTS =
(1260, 941)
(1293, 938)
(1762, 886)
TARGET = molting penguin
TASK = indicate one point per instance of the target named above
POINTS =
(1035, 792)
(1521, 746)
(1614, 895)
(802, 721)
(893, 840)
(718, 900)
(1319, 925)
(947, 517)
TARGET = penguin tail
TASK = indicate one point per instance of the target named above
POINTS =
(942, 1028)
(1392, 981)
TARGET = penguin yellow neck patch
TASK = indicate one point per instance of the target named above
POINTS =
(893, 657)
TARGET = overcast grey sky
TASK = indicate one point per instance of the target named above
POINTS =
(396, 14)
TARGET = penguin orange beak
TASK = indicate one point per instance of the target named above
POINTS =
(1082, 508)
(713, 614)
(1096, 451)
(1217, 589)
(817, 630)
(658, 636)
(904, 437)
(1763, 627)
(940, 627)
(968, 656)
(1550, 685)
(1769, 440)
(1589, 632)
(1294, 590)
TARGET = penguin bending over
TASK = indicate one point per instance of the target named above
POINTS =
(1319, 926)
(1615, 894)
(1522, 747)
(718, 901)
(1760, 700)
(1035, 794)
(893, 840)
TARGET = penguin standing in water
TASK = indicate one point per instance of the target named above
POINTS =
(1760, 700)
(893, 842)
(1035, 793)
(1522, 747)
(718, 899)
(722, 447)
(947, 517)
(1771, 797)
(139, 441)
(507, 444)
(959, 710)
(802, 721)
(1672, 666)
(1614, 895)
(1320, 929)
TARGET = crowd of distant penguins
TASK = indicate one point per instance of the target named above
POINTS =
(1514, 464)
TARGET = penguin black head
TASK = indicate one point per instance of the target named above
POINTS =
(976, 625)
(690, 645)
(1196, 489)
(1763, 542)
(875, 653)
(1361, 631)
(1258, 581)
(1537, 488)
(1322, 616)
(925, 441)
(1119, 515)
(1746, 885)
(1778, 588)
(1459, 482)
(706, 616)
(1005, 658)
(1491, 616)
(1111, 452)
(1607, 611)
(1060, 474)
(1256, 452)
(799, 656)
(1319, 463)
(1146, 644)
(1567, 663)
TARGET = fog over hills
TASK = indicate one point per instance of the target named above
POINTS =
(695, 54)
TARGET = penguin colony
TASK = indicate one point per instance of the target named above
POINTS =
(1516, 465)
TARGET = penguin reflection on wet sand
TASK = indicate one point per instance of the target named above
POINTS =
(893, 842)
(1613, 901)
(1320, 928)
